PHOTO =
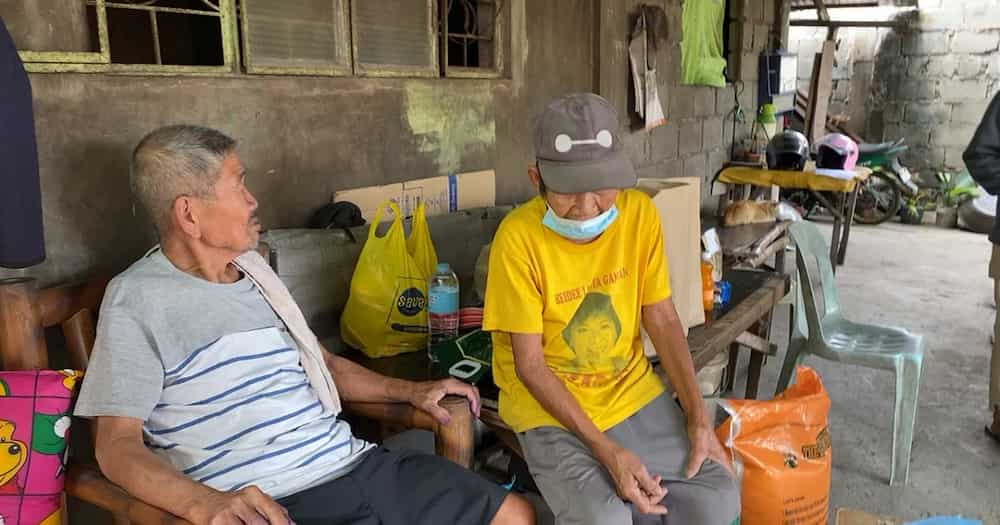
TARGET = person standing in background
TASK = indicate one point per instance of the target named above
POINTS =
(982, 157)
(22, 243)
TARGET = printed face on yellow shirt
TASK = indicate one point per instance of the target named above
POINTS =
(593, 331)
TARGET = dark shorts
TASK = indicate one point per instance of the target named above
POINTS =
(401, 487)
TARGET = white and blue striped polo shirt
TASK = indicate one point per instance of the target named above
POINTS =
(215, 376)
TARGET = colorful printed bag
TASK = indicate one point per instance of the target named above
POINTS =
(34, 427)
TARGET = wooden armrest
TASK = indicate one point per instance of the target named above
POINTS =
(85, 482)
(453, 441)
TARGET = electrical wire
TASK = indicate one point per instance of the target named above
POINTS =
(739, 116)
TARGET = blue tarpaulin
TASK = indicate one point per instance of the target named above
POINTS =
(945, 520)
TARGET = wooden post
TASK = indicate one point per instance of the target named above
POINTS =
(455, 441)
(80, 333)
(838, 225)
(734, 357)
(762, 329)
(821, 12)
(22, 339)
(852, 205)
(820, 88)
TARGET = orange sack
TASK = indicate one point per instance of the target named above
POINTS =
(782, 450)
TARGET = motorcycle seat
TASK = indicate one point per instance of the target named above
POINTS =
(871, 149)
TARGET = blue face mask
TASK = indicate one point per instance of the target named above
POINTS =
(580, 230)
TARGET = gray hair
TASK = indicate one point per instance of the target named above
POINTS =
(173, 161)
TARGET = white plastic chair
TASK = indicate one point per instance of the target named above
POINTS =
(825, 333)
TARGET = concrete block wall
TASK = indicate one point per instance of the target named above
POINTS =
(950, 51)
(929, 83)
(697, 137)
(854, 66)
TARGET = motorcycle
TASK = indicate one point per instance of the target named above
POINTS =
(880, 196)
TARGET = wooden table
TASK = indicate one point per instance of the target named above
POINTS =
(746, 321)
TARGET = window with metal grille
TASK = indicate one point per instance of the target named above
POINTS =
(128, 35)
(165, 32)
(305, 36)
(470, 36)
(394, 37)
(415, 38)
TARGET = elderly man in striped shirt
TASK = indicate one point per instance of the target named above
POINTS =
(213, 405)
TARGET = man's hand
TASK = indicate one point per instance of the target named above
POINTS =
(706, 445)
(632, 480)
(247, 506)
(428, 394)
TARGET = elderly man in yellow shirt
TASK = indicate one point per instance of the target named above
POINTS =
(572, 275)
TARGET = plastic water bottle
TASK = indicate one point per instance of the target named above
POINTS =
(442, 308)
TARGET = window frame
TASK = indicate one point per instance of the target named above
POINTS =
(74, 58)
(343, 21)
(100, 62)
(474, 72)
(233, 22)
(432, 70)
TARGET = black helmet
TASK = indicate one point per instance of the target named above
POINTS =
(788, 150)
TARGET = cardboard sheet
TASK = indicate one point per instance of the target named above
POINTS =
(855, 517)
(441, 195)
(679, 202)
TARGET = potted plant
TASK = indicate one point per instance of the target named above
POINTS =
(913, 208)
(953, 189)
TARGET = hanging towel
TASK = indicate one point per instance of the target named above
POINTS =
(22, 243)
(281, 301)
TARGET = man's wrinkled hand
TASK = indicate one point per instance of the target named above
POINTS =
(247, 506)
(706, 445)
(633, 482)
(427, 397)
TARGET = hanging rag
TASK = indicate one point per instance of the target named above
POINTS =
(21, 240)
(649, 32)
(702, 62)
(281, 301)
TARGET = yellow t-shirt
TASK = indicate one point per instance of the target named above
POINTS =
(586, 300)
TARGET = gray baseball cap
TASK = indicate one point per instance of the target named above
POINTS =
(578, 148)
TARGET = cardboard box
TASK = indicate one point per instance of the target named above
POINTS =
(679, 203)
(856, 517)
(441, 195)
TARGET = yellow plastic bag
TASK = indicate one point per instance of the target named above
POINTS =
(386, 312)
(419, 244)
(782, 448)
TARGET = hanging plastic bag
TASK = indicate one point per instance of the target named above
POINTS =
(386, 312)
(647, 37)
(419, 244)
(781, 449)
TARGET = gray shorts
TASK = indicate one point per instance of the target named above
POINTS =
(579, 490)
(399, 487)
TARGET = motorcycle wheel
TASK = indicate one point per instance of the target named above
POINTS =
(878, 200)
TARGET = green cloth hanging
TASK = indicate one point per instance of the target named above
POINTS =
(702, 62)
